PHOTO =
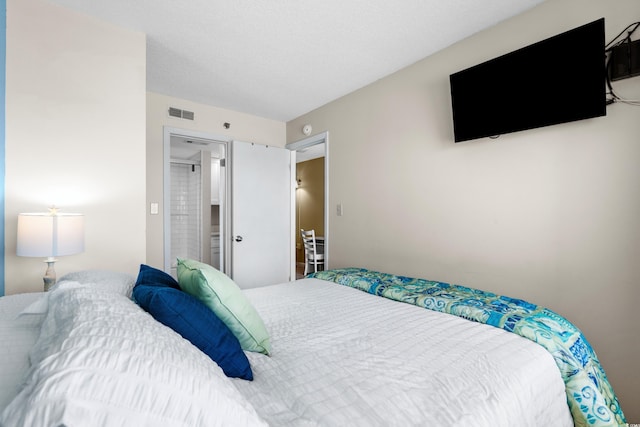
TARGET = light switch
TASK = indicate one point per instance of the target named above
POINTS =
(339, 209)
(154, 209)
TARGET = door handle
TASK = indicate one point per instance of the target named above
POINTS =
(238, 239)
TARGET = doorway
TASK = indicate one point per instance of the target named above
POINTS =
(209, 142)
(195, 207)
(310, 206)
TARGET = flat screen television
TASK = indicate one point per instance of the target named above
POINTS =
(557, 80)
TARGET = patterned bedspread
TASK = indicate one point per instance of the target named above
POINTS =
(590, 396)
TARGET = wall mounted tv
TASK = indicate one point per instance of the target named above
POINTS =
(558, 80)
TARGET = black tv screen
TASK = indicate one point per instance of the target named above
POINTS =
(558, 80)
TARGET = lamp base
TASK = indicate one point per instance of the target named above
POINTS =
(49, 275)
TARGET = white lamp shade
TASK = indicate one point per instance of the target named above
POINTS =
(47, 235)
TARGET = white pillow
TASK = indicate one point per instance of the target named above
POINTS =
(41, 305)
(113, 281)
(101, 360)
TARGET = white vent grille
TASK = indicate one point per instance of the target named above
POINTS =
(181, 114)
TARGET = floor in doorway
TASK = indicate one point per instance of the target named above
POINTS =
(299, 271)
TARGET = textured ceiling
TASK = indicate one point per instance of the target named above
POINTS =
(280, 59)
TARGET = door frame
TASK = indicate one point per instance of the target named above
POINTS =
(310, 141)
(168, 132)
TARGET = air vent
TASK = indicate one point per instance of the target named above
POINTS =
(181, 114)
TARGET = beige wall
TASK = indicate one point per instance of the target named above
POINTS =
(309, 200)
(548, 215)
(75, 135)
(244, 127)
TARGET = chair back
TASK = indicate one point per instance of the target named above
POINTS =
(311, 255)
(309, 242)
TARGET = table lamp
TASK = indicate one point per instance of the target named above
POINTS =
(50, 235)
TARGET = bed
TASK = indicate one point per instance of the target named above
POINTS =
(340, 347)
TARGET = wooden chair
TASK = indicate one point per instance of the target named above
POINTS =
(311, 255)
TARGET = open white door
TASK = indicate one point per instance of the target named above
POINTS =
(260, 214)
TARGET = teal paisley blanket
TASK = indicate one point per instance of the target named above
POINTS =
(590, 396)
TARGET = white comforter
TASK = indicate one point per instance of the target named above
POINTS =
(343, 357)
(340, 357)
(102, 361)
(18, 333)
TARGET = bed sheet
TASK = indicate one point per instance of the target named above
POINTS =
(17, 335)
(344, 357)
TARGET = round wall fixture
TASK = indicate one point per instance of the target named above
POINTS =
(306, 129)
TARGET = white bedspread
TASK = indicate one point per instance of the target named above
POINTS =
(100, 360)
(17, 335)
(343, 357)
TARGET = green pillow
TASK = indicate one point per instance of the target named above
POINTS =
(218, 292)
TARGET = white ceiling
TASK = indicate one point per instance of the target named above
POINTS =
(310, 153)
(279, 59)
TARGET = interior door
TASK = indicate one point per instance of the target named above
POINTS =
(261, 214)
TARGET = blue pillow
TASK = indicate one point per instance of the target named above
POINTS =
(197, 323)
(154, 277)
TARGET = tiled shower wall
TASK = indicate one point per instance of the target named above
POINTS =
(186, 211)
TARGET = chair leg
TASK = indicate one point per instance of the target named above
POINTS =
(306, 267)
